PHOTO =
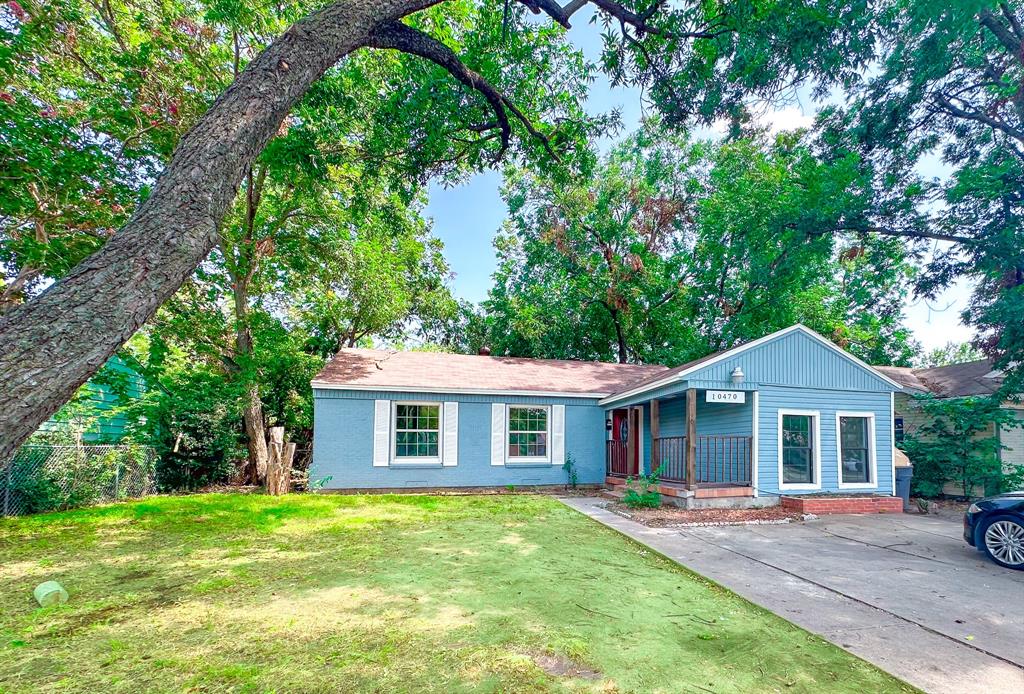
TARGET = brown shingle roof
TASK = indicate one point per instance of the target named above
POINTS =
(658, 375)
(953, 381)
(905, 376)
(439, 371)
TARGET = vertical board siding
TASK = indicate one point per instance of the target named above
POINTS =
(827, 403)
(795, 359)
(343, 444)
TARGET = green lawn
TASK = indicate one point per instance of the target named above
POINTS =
(380, 593)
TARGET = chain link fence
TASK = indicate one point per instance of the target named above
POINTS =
(52, 478)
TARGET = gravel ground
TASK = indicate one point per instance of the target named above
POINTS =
(667, 516)
(946, 509)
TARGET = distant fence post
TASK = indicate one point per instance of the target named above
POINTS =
(7, 487)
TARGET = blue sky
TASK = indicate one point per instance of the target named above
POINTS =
(467, 217)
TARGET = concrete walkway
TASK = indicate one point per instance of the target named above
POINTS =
(903, 592)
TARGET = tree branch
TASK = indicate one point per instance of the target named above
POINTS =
(563, 13)
(989, 20)
(885, 231)
(978, 117)
(400, 37)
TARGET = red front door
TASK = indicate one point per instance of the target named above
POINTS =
(626, 428)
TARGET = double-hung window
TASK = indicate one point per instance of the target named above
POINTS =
(855, 448)
(417, 432)
(798, 449)
(529, 434)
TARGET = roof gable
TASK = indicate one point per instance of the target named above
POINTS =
(794, 356)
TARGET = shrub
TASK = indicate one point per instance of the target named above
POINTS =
(642, 492)
(570, 470)
(954, 445)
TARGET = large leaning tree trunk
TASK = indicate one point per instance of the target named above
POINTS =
(53, 344)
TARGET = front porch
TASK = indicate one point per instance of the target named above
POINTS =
(700, 444)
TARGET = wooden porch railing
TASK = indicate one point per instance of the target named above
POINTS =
(617, 459)
(720, 459)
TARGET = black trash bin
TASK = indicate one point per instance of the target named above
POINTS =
(903, 476)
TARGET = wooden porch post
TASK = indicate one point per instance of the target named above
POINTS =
(655, 433)
(691, 438)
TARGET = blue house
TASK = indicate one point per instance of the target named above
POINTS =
(788, 414)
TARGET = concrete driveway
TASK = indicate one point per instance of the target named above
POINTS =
(902, 591)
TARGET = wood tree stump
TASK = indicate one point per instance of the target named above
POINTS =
(279, 463)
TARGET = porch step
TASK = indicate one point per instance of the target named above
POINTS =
(613, 494)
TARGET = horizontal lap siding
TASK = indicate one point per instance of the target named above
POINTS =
(725, 419)
(712, 418)
(343, 443)
(826, 402)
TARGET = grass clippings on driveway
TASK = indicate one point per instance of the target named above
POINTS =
(671, 516)
(248, 593)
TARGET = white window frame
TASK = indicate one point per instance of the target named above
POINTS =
(421, 460)
(531, 459)
(872, 482)
(815, 416)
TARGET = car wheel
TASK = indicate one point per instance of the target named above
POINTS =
(1003, 540)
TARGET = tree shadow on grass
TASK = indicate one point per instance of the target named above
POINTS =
(403, 592)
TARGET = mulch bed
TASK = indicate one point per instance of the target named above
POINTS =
(668, 517)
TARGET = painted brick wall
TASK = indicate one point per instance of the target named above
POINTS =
(826, 402)
(343, 443)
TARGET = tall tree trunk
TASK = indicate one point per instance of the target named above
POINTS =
(252, 414)
(620, 337)
(53, 344)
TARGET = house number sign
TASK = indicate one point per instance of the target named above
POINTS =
(736, 396)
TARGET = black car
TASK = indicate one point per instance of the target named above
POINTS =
(996, 526)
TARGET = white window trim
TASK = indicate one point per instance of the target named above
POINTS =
(816, 417)
(872, 482)
(892, 441)
(424, 460)
(533, 459)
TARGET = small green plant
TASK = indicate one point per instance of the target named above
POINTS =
(317, 485)
(510, 487)
(642, 492)
(570, 470)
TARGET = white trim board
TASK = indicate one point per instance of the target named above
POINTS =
(872, 482)
(321, 385)
(892, 440)
(816, 447)
(728, 354)
(755, 436)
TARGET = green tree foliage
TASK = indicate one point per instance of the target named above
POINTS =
(950, 353)
(957, 444)
(945, 95)
(674, 249)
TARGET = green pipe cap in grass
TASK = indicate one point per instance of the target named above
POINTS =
(50, 593)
